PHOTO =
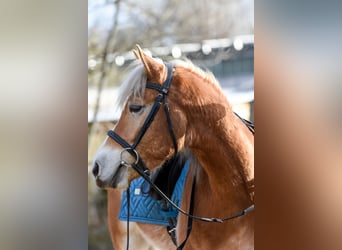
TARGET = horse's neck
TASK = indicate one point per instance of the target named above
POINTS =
(225, 152)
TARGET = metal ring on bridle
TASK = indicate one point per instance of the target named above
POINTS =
(123, 162)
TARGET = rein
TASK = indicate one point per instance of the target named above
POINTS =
(144, 172)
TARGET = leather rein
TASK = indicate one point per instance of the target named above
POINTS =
(140, 167)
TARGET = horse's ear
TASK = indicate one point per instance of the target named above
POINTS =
(156, 72)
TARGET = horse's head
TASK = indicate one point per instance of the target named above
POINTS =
(153, 142)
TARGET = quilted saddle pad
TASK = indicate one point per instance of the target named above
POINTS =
(145, 209)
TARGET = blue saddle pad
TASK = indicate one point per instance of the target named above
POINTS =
(144, 208)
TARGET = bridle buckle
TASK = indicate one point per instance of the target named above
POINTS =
(165, 91)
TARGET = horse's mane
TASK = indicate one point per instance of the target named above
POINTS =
(135, 82)
(166, 176)
(206, 75)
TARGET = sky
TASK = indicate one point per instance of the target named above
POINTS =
(101, 13)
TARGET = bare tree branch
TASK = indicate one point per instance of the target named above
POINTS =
(105, 65)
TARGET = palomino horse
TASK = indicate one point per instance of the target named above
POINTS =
(196, 120)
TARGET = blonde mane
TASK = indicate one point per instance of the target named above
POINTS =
(135, 82)
(205, 74)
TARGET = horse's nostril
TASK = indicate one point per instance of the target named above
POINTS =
(95, 170)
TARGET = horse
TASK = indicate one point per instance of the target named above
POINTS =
(198, 121)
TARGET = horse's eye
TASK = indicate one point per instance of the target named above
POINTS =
(135, 108)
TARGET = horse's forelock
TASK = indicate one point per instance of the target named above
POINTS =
(134, 84)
